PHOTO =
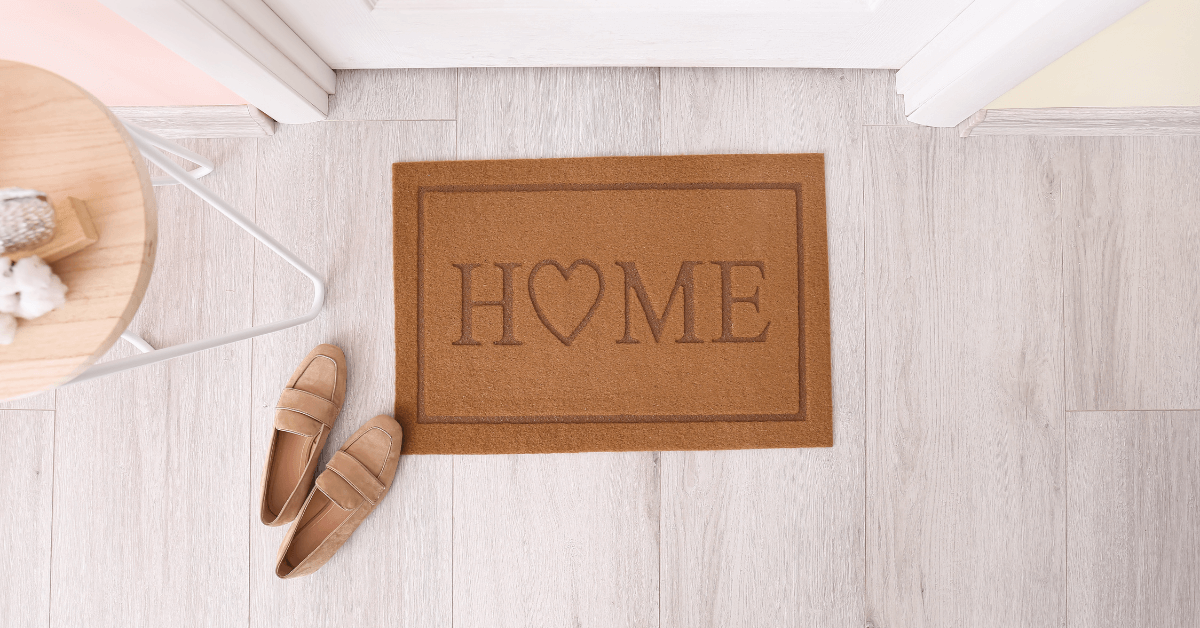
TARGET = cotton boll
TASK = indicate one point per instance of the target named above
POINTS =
(32, 273)
(40, 289)
(8, 287)
(8, 283)
(8, 329)
(34, 303)
(32, 306)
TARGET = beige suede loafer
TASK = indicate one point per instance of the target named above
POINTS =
(305, 414)
(353, 482)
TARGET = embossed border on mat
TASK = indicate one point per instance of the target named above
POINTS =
(422, 417)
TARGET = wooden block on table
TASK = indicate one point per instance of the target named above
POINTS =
(73, 231)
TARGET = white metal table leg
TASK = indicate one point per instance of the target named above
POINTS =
(147, 138)
(137, 341)
(150, 146)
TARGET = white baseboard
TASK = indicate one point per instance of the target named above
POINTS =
(990, 48)
(211, 121)
(1081, 121)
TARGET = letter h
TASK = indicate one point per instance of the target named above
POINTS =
(505, 303)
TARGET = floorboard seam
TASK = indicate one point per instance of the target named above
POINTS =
(53, 474)
(1106, 410)
(1062, 313)
(862, 189)
(250, 427)
(658, 469)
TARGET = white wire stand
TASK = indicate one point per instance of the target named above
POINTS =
(152, 148)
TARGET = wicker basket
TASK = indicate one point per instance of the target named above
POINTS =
(26, 220)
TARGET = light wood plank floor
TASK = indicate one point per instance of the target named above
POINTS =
(982, 291)
(1133, 224)
(964, 385)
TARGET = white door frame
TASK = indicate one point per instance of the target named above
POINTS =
(244, 46)
(992, 47)
(989, 48)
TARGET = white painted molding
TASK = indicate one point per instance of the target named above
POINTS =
(207, 121)
(263, 19)
(249, 50)
(1083, 121)
(991, 47)
(636, 7)
(965, 127)
(690, 33)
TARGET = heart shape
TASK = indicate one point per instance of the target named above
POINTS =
(566, 275)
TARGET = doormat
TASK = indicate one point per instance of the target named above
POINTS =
(612, 304)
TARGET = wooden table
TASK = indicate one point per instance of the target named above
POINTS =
(57, 138)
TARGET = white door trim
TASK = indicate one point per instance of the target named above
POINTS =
(591, 33)
(991, 47)
(243, 45)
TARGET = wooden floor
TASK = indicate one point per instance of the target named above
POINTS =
(1016, 352)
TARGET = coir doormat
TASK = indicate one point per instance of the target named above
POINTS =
(612, 304)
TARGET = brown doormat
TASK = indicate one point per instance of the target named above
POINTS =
(612, 304)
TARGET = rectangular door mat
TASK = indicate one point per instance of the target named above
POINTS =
(612, 304)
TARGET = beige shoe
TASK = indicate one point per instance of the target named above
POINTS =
(305, 414)
(353, 482)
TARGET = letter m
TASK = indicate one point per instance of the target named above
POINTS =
(684, 281)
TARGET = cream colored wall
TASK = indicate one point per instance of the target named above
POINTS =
(85, 42)
(1150, 58)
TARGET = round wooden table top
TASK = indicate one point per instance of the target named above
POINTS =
(57, 138)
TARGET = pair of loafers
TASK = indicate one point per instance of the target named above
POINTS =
(324, 512)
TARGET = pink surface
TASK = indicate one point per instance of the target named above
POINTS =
(85, 42)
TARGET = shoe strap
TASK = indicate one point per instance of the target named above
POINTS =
(302, 424)
(308, 404)
(349, 470)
